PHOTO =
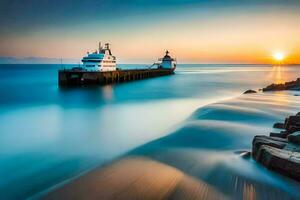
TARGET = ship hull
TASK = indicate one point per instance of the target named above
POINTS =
(81, 77)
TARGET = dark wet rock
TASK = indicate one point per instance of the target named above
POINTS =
(292, 121)
(243, 153)
(274, 87)
(290, 125)
(260, 140)
(246, 154)
(293, 129)
(281, 151)
(279, 135)
(292, 85)
(279, 125)
(294, 138)
(250, 92)
(279, 160)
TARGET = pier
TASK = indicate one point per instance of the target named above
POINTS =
(81, 77)
(100, 68)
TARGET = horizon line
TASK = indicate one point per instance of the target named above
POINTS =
(76, 61)
(272, 64)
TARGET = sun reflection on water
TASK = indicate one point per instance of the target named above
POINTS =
(278, 74)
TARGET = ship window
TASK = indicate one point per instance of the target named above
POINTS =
(92, 60)
(109, 61)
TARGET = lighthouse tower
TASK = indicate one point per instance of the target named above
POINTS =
(167, 62)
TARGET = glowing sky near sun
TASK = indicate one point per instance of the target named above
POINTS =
(140, 31)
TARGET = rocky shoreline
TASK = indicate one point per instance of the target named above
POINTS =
(292, 85)
(280, 152)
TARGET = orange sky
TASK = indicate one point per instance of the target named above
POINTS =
(224, 36)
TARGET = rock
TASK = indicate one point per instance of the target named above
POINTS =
(250, 92)
(279, 160)
(292, 120)
(279, 135)
(274, 87)
(265, 140)
(279, 125)
(281, 151)
(243, 153)
(246, 154)
(294, 137)
(292, 85)
(293, 129)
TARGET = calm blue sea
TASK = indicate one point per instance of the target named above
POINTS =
(50, 134)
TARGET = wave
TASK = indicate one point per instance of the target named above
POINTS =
(204, 147)
(206, 151)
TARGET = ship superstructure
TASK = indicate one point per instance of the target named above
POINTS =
(100, 60)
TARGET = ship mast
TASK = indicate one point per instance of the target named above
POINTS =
(100, 48)
(107, 48)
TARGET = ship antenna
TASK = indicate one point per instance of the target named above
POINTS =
(107, 45)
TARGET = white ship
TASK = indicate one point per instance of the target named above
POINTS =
(101, 60)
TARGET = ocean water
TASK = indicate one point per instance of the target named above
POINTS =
(49, 135)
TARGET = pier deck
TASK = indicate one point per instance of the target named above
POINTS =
(81, 77)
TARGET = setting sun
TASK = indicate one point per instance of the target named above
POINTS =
(279, 56)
